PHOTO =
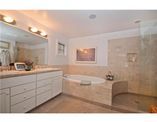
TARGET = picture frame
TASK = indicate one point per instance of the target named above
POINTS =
(86, 55)
(60, 49)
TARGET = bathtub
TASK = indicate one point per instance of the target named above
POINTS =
(84, 79)
(91, 88)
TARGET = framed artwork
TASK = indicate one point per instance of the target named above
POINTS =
(86, 55)
(60, 49)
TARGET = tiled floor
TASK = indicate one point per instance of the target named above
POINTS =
(134, 102)
(67, 104)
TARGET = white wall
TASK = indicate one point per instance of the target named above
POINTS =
(53, 57)
(24, 22)
(100, 42)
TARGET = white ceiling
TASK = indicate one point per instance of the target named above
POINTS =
(10, 32)
(76, 23)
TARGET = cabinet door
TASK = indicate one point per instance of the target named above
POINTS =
(43, 97)
(4, 101)
(57, 85)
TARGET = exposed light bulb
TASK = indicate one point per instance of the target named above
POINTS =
(8, 19)
(33, 29)
(42, 33)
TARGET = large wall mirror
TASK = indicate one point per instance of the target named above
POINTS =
(20, 45)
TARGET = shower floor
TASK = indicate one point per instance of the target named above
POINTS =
(134, 102)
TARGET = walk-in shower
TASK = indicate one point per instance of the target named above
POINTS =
(146, 95)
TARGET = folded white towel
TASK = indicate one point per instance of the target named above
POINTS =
(85, 82)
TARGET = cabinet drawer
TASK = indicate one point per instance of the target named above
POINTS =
(44, 89)
(22, 88)
(14, 81)
(4, 91)
(48, 75)
(24, 106)
(22, 97)
(43, 82)
(43, 97)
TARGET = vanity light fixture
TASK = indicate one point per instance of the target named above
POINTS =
(42, 33)
(7, 19)
(33, 29)
(36, 31)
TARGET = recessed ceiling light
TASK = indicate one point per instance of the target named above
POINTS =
(92, 16)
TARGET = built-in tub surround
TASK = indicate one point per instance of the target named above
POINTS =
(100, 91)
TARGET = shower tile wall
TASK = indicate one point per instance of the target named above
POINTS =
(117, 63)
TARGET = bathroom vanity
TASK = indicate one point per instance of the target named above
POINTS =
(21, 91)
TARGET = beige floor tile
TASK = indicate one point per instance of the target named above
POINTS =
(67, 104)
(134, 102)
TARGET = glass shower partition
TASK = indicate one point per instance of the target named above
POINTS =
(148, 66)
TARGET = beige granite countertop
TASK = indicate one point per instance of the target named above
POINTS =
(14, 73)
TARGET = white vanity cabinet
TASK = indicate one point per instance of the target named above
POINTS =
(57, 85)
(4, 101)
(48, 85)
(21, 94)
